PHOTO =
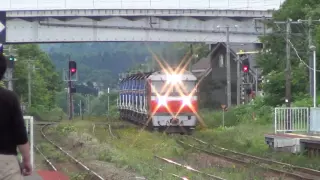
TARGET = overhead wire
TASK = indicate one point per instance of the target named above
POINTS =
(296, 52)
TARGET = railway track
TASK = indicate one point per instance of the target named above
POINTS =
(79, 166)
(188, 168)
(116, 136)
(280, 168)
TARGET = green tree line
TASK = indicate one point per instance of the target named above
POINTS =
(45, 81)
(273, 61)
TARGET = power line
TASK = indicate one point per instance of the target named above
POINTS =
(312, 59)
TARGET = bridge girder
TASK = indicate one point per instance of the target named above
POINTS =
(129, 28)
(141, 12)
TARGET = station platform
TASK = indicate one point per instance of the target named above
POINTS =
(47, 175)
(295, 143)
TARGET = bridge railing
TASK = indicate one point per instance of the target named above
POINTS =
(292, 119)
(29, 126)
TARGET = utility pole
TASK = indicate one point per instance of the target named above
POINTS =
(288, 64)
(288, 60)
(29, 84)
(88, 103)
(30, 70)
(108, 101)
(191, 62)
(311, 58)
(264, 32)
(238, 80)
(311, 78)
(228, 69)
(80, 105)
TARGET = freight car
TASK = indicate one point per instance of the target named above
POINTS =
(160, 101)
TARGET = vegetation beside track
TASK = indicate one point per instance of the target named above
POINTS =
(245, 127)
(134, 151)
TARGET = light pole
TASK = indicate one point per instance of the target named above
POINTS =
(313, 48)
(310, 22)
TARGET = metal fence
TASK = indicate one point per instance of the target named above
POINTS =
(315, 120)
(291, 119)
(29, 126)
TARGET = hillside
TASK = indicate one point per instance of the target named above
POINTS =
(102, 62)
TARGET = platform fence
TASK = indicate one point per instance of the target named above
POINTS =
(29, 127)
(315, 120)
(292, 120)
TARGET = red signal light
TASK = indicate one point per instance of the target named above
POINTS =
(245, 69)
(72, 67)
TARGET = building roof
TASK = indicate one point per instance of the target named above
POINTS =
(204, 63)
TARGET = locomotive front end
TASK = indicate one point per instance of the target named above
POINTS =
(174, 102)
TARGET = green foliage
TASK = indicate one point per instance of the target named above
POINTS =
(65, 128)
(45, 81)
(273, 62)
(255, 112)
(101, 62)
(245, 127)
(2, 84)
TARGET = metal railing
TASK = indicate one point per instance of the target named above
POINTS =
(29, 126)
(315, 120)
(291, 119)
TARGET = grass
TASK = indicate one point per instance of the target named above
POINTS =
(137, 152)
(248, 137)
(136, 149)
(244, 132)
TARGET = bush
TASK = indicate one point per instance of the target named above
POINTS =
(255, 111)
(42, 114)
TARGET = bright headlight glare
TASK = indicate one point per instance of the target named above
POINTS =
(173, 78)
(162, 100)
(186, 101)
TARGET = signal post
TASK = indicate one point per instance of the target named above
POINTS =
(245, 79)
(10, 54)
(71, 75)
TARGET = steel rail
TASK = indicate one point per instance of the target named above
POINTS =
(70, 156)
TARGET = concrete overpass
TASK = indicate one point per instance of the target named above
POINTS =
(44, 21)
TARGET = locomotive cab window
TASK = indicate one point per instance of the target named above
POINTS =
(186, 87)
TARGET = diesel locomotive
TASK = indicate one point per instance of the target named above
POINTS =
(160, 100)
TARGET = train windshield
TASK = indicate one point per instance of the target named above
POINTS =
(186, 87)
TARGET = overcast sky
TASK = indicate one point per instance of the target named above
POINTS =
(140, 4)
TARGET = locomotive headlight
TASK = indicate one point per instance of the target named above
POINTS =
(173, 78)
(162, 101)
(186, 101)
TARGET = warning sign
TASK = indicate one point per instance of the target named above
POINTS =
(223, 106)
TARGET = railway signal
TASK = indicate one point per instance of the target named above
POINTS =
(245, 68)
(72, 67)
(11, 58)
(245, 65)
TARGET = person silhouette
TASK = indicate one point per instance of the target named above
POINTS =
(13, 134)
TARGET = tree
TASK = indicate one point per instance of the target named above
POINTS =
(2, 84)
(273, 61)
(45, 80)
